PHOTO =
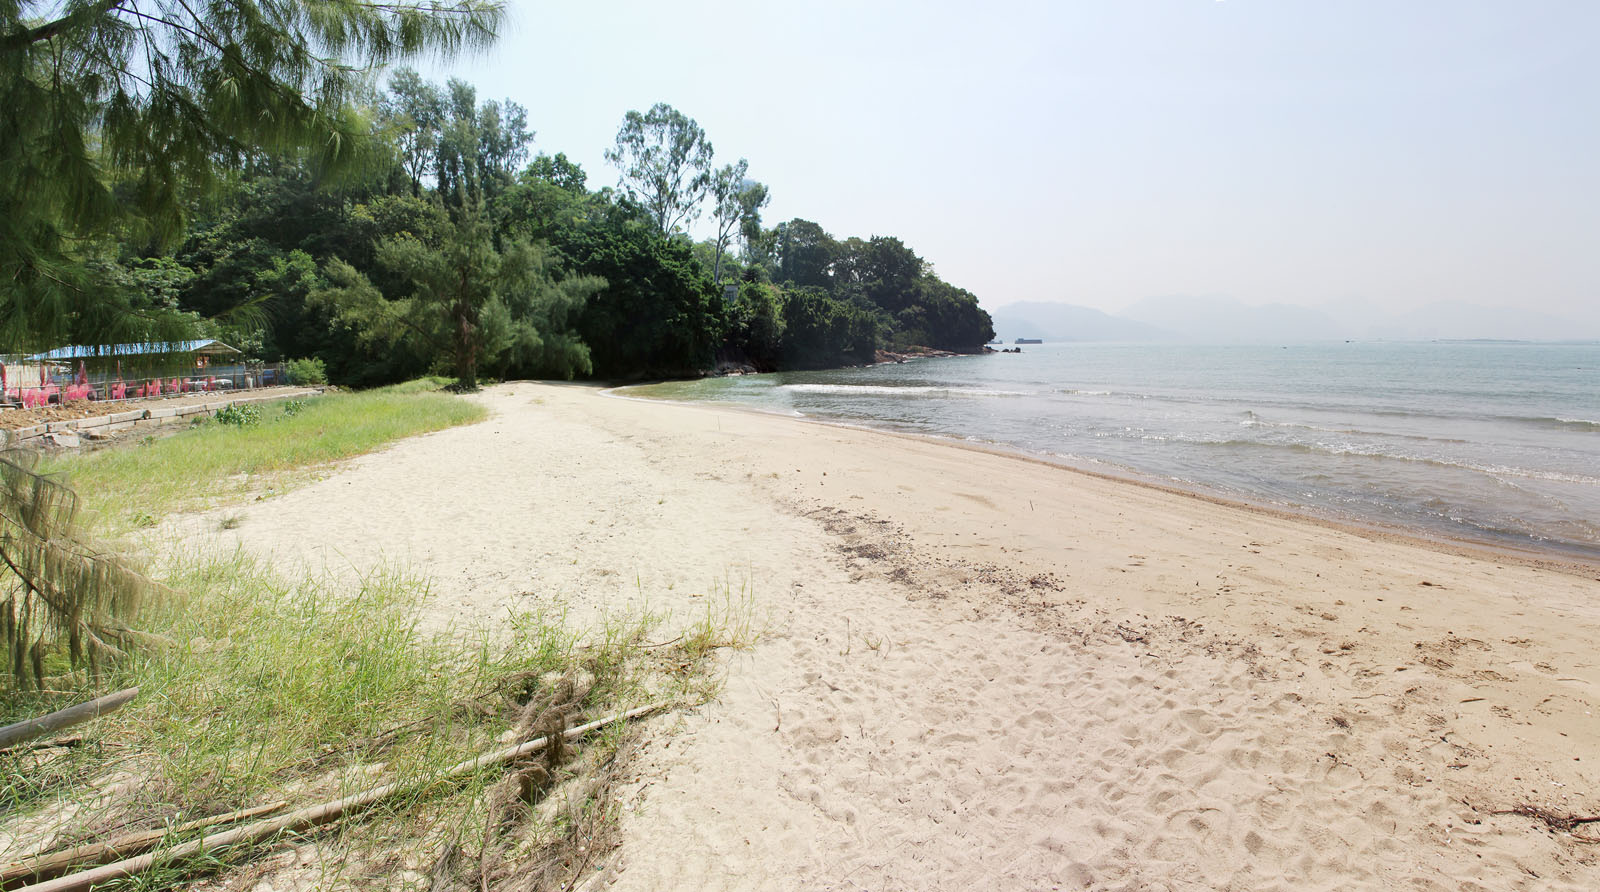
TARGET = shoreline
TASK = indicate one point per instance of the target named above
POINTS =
(1553, 558)
(1113, 687)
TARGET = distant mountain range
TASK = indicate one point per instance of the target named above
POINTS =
(1065, 322)
(1225, 320)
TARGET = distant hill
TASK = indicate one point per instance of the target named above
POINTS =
(1066, 322)
(1224, 320)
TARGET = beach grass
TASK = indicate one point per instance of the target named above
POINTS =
(256, 688)
(131, 486)
(270, 690)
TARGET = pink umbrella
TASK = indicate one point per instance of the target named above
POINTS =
(43, 378)
(83, 374)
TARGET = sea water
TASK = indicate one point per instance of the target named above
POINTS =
(1483, 441)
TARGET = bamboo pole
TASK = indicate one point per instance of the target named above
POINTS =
(64, 718)
(53, 864)
(312, 816)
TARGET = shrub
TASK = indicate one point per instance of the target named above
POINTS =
(238, 416)
(306, 371)
(293, 408)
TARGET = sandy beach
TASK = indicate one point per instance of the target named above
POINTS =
(979, 671)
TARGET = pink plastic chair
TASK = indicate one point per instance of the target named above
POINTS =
(119, 391)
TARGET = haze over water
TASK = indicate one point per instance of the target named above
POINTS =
(1490, 442)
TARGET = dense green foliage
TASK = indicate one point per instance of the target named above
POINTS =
(394, 235)
(659, 315)
(113, 114)
(306, 371)
(882, 277)
(819, 331)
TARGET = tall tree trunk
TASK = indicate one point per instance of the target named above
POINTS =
(466, 337)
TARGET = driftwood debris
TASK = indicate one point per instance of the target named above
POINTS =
(11, 735)
(313, 816)
(1554, 820)
(53, 864)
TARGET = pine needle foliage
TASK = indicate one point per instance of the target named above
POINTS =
(55, 585)
(114, 113)
(472, 304)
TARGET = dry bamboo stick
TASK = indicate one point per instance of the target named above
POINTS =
(63, 718)
(313, 816)
(52, 864)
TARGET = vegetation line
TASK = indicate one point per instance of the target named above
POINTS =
(130, 487)
(316, 815)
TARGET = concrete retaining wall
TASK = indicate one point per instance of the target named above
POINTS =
(46, 434)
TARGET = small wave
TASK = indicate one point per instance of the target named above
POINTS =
(1550, 422)
(1343, 450)
(1071, 391)
(1581, 424)
(1251, 419)
(886, 390)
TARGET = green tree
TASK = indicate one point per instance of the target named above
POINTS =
(558, 171)
(658, 313)
(736, 204)
(479, 148)
(114, 112)
(665, 163)
(725, 186)
(756, 325)
(819, 332)
(886, 270)
(466, 302)
(752, 198)
(806, 254)
(468, 151)
(261, 245)
(413, 114)
(950, 317)
(532, 329)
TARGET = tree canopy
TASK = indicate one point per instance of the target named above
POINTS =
(114, 112)
(394, 232)
(665, 163)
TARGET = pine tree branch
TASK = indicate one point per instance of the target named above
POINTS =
(26, 37)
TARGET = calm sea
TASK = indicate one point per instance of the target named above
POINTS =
(1490, 442)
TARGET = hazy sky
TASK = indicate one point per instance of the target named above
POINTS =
(1097, 153)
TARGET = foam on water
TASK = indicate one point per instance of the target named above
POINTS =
(1483, 441)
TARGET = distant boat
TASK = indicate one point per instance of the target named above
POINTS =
(1030, 341)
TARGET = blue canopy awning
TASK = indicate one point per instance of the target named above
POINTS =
(208, 345)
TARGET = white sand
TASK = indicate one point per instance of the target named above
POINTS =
(982, 672)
